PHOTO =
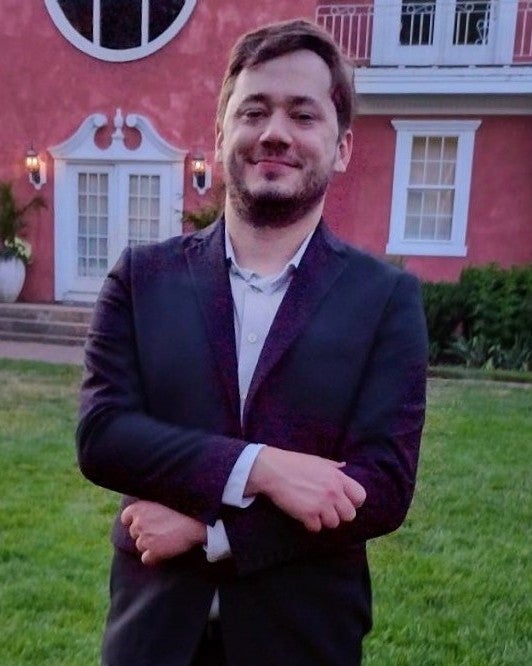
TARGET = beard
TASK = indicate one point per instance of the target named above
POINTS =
(270, 207)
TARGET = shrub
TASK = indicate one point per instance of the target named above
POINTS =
(483, 320)
(444, 311)
(498, 304)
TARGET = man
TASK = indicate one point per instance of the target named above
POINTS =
(256, 391)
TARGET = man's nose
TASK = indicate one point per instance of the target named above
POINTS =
(276, 130)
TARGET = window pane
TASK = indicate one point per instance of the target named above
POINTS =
(79, 14)
(417, 173)
(434, 147)
(417, 22)
(418, 147)
(414, 202)
(447, 173)
(446, 202)
(443, 228)
(430, 202)
(133, 206)
(93, 204)
(450, 146)
(412, 228)
(471, 22)
(432, 173)
(144, 185)
(429, 215)
(427, 228)
(155, 185)
(162, 14)
(120, 23)
(92, 228)
(144, 209)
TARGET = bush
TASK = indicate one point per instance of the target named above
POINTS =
(498, 304)
(483, 320)
(444, 311)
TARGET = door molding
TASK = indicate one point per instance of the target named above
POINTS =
(82, 151)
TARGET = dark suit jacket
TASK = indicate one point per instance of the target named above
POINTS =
(341, 375)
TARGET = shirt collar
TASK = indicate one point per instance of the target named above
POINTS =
(272, 282)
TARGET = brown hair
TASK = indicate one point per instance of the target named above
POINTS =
(278, 39)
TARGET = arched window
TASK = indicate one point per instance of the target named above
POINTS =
(119, 30)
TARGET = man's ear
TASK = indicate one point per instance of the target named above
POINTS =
(343, 151)
(218, 144)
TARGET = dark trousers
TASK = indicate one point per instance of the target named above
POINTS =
(210, 650)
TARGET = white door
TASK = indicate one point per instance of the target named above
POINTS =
(110, 206)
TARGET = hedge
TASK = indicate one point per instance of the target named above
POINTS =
(483, 320)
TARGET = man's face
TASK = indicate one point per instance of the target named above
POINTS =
(279, 140)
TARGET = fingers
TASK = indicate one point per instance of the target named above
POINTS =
(313, 523)
(346, 509)
(354, 491)
(330, 518)
(126, 517)
(148, 558)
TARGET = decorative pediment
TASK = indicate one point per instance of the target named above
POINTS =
(82, 144)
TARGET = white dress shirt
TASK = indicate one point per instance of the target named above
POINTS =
(256, 300)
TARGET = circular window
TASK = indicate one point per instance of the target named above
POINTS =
(119, 30)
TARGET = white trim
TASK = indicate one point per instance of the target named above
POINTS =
(444, 105)
(447, 80)
(386, 49)
(115, 55)
(78, 153)
(464, 130)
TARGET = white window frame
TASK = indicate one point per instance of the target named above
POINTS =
(464, 132)
(118, 55)
(386, 50)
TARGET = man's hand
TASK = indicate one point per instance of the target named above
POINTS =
(160, 532)
(309, 488)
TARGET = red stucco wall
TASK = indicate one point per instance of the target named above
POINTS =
(500, 208)
(49, 87)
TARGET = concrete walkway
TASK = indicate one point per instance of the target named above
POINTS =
(35, 351)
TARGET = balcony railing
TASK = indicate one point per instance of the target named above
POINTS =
(523, 33)
(419, 26)
(351, 27)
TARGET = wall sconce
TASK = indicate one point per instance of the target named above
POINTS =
(201, 174)
(36, 169)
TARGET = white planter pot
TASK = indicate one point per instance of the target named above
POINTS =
(12, 274)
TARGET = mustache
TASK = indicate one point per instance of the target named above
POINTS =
(276, 158)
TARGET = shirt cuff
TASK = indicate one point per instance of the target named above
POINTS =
(217, 547)
(233, 494)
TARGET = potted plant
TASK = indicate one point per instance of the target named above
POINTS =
(206, 214)
(15, 252)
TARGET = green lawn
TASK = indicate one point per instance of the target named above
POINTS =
(450, 588)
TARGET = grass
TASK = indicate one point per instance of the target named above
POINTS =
(450, 588)
(493, 374)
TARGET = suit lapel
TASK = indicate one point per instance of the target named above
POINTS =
(321, 265)
(205, 253)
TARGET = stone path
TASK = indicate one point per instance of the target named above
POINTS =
(35, 351)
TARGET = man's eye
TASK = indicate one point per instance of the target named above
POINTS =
(303, 117)
(253, 114)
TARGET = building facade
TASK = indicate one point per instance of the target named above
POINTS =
(118, 101)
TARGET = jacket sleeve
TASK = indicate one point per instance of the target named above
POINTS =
(120, 446)
(380, 445)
